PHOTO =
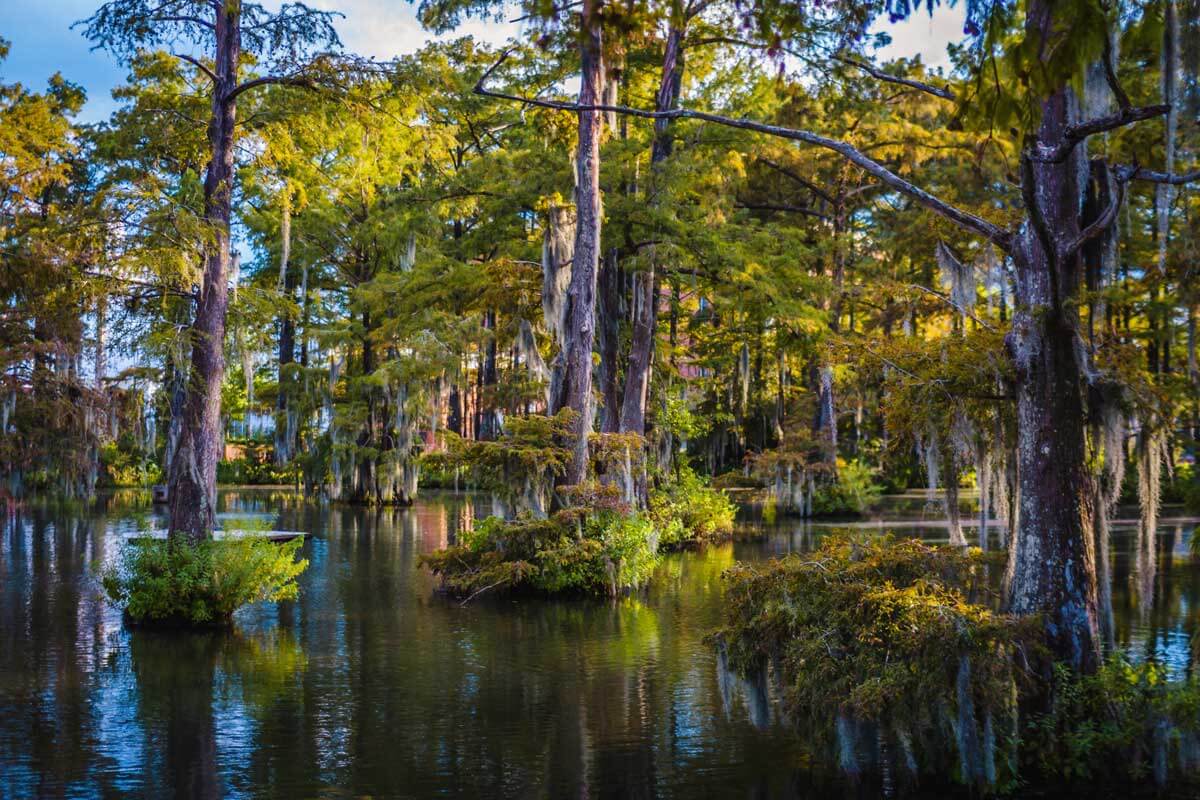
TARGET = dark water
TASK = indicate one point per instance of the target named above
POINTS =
(369, 685)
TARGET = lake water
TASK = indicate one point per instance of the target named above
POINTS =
(372, 685)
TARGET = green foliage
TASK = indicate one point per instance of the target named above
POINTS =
(601, 553)
(125, 465)
(176, 582)
(877, 631)
(687, 510)
(852, 494)
(520, 465)
(1111, 727)
(249, 471)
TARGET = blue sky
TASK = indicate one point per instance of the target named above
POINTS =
(44, 43)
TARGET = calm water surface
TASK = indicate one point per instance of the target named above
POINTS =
(370, 685)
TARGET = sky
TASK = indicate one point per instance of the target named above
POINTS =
(43, 41)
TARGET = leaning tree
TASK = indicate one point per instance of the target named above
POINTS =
(1045, 45)
(224, 37)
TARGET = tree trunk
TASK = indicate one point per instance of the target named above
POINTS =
(610, 341)
(193, 471)
(1052, 568)
(646, 284)
(581, 294)
(284, 427)
(488, 424)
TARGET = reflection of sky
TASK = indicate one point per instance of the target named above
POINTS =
(370, 683)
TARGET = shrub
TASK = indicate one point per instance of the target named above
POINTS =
(1123, 724)
(875, 640)
(178, 582)
(686, 510)
(877, 647)
(124, 464)
(600, 553)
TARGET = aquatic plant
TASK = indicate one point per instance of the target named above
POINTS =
(178, 582)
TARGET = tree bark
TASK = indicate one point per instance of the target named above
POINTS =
(610, 340)
(193, 470)
(284, 428)
(1052, 569)
(488, 424)
(581, 294)
(646, 284)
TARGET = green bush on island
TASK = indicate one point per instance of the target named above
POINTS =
(601, 552)
(596, 545)
(882, 649)
(177, 582)
(687, 510)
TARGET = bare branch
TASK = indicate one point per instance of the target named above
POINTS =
(189, 20)
(789, 173)
(965, 219)
(879, 74)
(269, 80)
(1110, 74)
(1077, 133)
(965, 312)
(195, 62)
(1136, 173)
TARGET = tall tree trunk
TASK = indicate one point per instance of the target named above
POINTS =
(609, 325)
(1170, 64)
(285, 433)
(193, 472)
(646, 284)
(1052, 568)
(581, 294)
(488, 423)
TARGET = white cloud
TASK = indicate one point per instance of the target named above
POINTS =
(382, 29)
(924, 34)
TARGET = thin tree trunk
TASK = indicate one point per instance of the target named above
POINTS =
(284, 428)
(609, 325)
(581, 294)
(193, 471)
(646, 284)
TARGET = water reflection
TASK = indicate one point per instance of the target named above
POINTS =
(369, 684)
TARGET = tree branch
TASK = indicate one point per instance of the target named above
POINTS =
(195, 62)
(965, 219)
(966, 313)
(879, 74)
(1077, 133)
(1110, 74)
(1116, 191)
(190, 20)
(1136, 173)
(788, 173)
(267, 80)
